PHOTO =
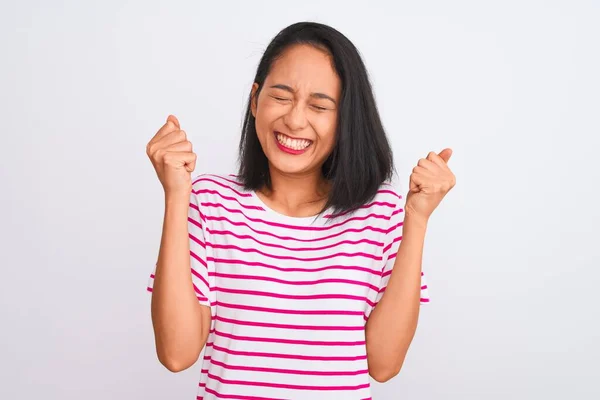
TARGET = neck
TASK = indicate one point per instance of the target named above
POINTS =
(297, 194)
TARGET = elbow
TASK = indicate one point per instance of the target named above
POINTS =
(384, 375)
(176, 364)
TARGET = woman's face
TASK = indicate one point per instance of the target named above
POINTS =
(296, 111)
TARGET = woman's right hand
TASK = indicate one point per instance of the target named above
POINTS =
(172, 157)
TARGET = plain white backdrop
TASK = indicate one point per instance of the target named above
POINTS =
(512, 252)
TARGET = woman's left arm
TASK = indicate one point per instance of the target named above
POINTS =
(392, 323)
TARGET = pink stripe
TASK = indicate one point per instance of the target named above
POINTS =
(375, 203)
(202, 217)
(289, 341)
(315, 239)
(195, 239)
(231, 199)
(225, 179)
(359, 254)
(258, 264)
(287, 326)
(224, 186)
(396, 239)
(424, 300)
(286, 386)
(295, 227)
(316, 248)
(281, 311)
(295, 297)
(295, 283)
(384, 191)
(197, 290)
(288, 371)
(234, 396)
(194, 222)
(289, 356)
(393, 227)
(198, 258)
(197, 275)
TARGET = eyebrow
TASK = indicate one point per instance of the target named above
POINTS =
(316, 95)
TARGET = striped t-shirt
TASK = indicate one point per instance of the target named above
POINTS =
(289, 296)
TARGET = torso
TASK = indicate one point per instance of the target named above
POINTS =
(289, 298)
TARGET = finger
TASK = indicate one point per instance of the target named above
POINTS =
(437, 160)
(174, 119)
(418, 177)
(188, 159)
(422, 171)
(171, 125)
(413, 187)
(191, 165)
(179, 146)
(428, 164)
(170, 138)
(416, 181)
(445, 155)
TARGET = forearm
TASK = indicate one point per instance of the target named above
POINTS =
(392, 324)
(177, 316)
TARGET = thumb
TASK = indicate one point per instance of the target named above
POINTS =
(445, 154)
(174, 120)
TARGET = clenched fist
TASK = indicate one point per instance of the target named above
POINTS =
(429, 182)
(172, 157)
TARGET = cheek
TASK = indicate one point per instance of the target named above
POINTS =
(326, 128)
(266, 114)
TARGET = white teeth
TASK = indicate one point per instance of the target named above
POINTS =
(295, 144)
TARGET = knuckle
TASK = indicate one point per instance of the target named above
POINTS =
(158, 154)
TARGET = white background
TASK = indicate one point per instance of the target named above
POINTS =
(512, 252)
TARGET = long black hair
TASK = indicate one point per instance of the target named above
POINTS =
(362, 158)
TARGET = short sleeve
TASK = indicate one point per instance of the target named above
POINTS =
(392, 240)
(199, 269)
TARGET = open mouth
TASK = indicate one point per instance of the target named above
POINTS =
(295, 146)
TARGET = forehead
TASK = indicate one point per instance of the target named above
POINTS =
(304, 67)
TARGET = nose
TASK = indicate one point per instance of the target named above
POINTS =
(295, 119)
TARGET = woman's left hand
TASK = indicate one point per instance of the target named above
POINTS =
(430, 180)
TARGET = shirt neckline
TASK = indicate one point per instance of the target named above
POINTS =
(287, 218)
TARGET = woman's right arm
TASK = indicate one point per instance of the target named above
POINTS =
(180, 323)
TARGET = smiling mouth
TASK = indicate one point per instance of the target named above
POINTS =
(293, 144)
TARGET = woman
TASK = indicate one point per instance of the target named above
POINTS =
(291, 257)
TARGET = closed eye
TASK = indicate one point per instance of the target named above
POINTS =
(320, 108)
(279, 98)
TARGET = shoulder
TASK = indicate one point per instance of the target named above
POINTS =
(219, 190)
(216, 182)
(390, 194)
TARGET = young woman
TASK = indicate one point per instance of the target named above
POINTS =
(305, 265)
